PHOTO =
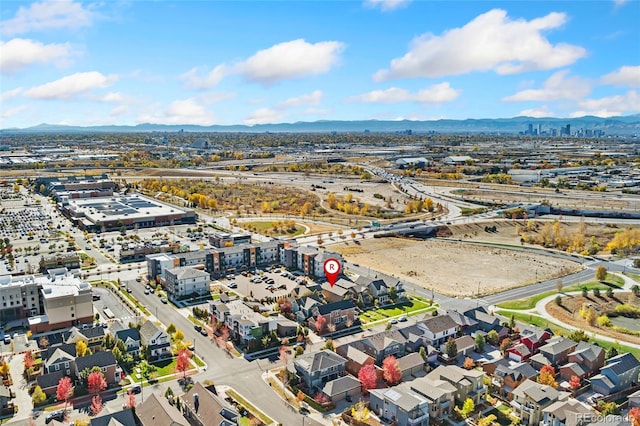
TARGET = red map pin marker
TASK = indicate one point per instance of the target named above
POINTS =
(331, 270)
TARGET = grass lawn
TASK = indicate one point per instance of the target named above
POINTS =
(198, 361)
(504, 408)
(530, 302)
(413, 306)
(263, 227)
(262, 416)
(165, 367)
(634, 277)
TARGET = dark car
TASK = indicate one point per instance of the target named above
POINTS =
(135, 389)
(197, 327)
(54, 415)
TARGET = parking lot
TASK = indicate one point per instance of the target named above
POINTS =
(259, 285)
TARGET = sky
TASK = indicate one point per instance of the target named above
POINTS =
(254, 62)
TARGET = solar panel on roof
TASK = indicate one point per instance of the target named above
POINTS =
(392, 394)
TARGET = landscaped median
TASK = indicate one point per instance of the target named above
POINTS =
(123, 295)
(248, 406)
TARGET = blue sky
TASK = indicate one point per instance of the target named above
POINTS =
(251, 62)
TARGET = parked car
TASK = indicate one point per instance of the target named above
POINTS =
(197, 327)
(164, 300)
(232, 285)
(54, 415)
(135, 389)
(204, 332)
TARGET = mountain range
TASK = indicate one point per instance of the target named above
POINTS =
(622, 126)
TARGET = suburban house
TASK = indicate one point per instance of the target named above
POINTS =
(317, 368)
(468, 383)
(107, 363)
(155, 410)
(437, 330)
(49, 382)
(508, 375)
(184, 281)
(356, 359)
(589, 358)
(338, 314)
(621, 372)
(519, 352)
(341, 388)
(6, 406)
(303, 306)
(534, 338)
(91, 336)
(465, 344)
(464, 322)
(411, 364)
(414, 337)
(122, 417)
(400, 405)
(156, 340)
(554, 352)
(344, 288)
(59, 358)
(569, 412)
(381, 345)
(131, 339)
(201, 407)
(634, 399)
(440, 395)
(531, 398)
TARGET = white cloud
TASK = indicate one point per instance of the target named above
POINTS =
(291, 59)
(492, 41)
(435, 94)
(263, 116)
(624, 76)
(556, 87)
(194, 81)
(10, 112)
(313, 98)
(181, 111)
(19, 53)
(51, 14)
(70, 86)
(10, 94)
(620, 3)
(386, 5)
(539, 112)
(610, 106)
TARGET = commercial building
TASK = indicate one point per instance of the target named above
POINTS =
(121, 212)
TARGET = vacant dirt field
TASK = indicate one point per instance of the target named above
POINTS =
(453, 268)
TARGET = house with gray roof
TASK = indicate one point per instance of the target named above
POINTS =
(621, 372)
(123, 417)
(468, 383)
(341, 388)
(440, 394)
(156, 339)
(155, 410)
(381, 345)
(589, 358)
(556, 352)
(569, 412)
(531, 398)
(318, 368)
(131, 339)
(437, 330)
(400, 405)
(107, 363)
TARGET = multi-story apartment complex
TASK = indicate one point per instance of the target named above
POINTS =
(20, 296)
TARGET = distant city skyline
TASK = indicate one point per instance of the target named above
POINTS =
(257, 62)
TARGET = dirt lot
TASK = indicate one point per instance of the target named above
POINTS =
(454, 268)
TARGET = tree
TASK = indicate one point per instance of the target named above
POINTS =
(558, 300)
(368, 377)
(634, 416)
(319, 324)
(596, 292)
(360, 412)
(44, 342)
(493, 337)
(28, 360)
(96, 382)
(559, 285)
(423, 353)
(131, 400)
(547, 376)
(38, 396)
(601, 273)
(81, 348)
(64, 391)
(283, 354)
(182, 361)
(613, 351)
(635, 289)
(391, 370)
(178, 336)
(506, 344)
(579, 336)
(487, 421)
(96, 405)
(609, 292)
(574, 382)
(4, 369)
(451, 348)
(467, 408)
(480, 342)
(171, 328)
(468, 363)
(585, 292)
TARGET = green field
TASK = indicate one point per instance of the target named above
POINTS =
(414, 306)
